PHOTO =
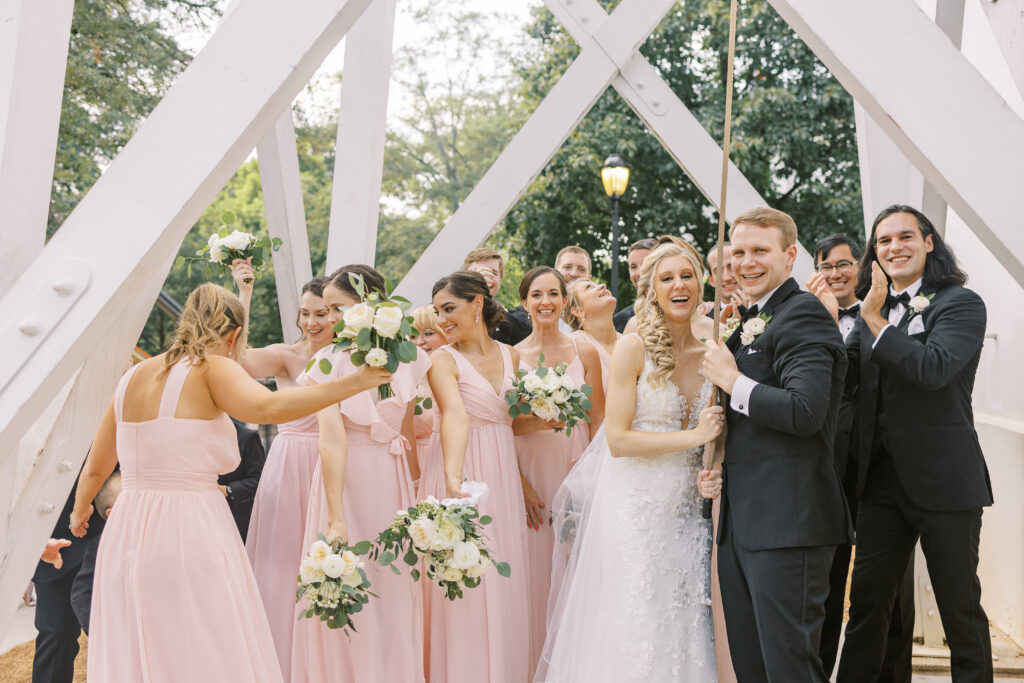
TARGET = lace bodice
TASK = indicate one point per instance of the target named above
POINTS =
(664, 408)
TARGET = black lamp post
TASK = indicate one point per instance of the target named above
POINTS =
(615, 177)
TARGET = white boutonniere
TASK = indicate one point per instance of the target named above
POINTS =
(751, 330)
(920, 302)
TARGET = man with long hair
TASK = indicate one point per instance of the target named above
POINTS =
(913, 356)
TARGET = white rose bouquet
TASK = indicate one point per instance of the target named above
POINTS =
(448, 538)
(377, 332)
(333, 582)
(550, 394)
(228, 244)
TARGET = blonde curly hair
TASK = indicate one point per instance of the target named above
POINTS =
(211, 313)
(651, 326)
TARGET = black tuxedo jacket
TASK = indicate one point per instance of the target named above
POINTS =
(514, 328)
(781, 488)
(925, 381)
(622, 318)
(246, 478)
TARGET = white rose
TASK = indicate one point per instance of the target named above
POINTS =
(754, 326)
(560, 396)
(919, 303)
(216, 248)
(566, 382)
(544, 408)
(465, 555)
(449, 533)
(746, 339)
(353, 579)
(532, 383)
(318, 552)
(359, 316)
(333, 566)
(452, 574)
(349, 562)
(423, 533)
(376, 358)
(478, 571)
(237, 240)
(309, 572)
(551, 382)
(388, 321)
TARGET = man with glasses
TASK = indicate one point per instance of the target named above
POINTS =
(837, 258)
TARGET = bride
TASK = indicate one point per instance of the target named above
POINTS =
(632, 598)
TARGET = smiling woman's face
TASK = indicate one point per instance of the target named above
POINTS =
(337, 301)
(676, 288)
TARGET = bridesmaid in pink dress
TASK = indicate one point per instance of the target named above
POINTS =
(174, 597)
(546, 456)
(362, 478)
(484, 637)
(588, 310)
(274, 543)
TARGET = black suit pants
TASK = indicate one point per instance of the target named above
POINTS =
(774, 605)
(57, 641)
(888, 529)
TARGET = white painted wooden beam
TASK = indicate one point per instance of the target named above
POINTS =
(1007, 20)
(359, 157)
(286, 219)
(940, 111)
(34, 37)
(200, 133)
(678, 130)
(886, 175)
(541, 136)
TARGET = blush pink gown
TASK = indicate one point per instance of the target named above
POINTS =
(388, 644)
(485, 636)
(602, 353)
(174, 598)
(274, 543)
(544, 460)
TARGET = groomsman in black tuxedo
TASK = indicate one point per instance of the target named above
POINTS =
(922, 475)
(635, 256)
(834, 282)
(783, 510)
(516, 326)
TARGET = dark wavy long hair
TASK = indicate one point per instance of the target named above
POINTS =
(940, 267)
(466, 285)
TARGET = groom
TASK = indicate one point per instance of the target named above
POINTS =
(783, 510)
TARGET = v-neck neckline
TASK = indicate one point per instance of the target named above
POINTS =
(497, 392)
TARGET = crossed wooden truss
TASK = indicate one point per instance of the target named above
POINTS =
(72, 310)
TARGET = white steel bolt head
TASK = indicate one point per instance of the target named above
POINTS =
(65, 466)
(62, 287)
(28, 328)
(46, 507)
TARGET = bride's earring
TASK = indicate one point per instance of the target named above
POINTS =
(478, 316)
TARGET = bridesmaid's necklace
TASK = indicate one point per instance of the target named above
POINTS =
(494, 345)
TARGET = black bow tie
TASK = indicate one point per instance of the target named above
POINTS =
(851, 312)
(747, 313)
(893, 300)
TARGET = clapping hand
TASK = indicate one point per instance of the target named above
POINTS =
(818, 286)
(710, 483)
(871, 307)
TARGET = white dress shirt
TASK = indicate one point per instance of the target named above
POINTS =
(847, 323)
(739, 400)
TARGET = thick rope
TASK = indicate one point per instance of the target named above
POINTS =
(709, 449)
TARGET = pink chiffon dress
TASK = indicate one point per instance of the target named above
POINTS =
(388, 644)
(544, 460)
(174, 597)
(602, 353)
(274, 544)
(484, 637)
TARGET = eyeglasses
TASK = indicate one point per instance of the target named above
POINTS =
(842, 266)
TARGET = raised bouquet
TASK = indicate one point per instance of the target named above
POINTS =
(550, 394)
(447, 536)
(377, 331)
(333, 582)
(228, 244)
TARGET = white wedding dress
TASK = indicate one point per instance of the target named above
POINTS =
(632, 599)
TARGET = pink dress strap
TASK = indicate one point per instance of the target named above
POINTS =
(172, 388)
(122, 387)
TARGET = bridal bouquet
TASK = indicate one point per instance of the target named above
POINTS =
(447, 536)
(377, 331)
(333, 582)
(228, 244)
(550, 394)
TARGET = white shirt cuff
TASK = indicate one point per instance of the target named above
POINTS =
(739, 400)
(879, 335)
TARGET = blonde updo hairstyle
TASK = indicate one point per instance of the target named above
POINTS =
(572, 300)
(211, 313)
(651, 325)
(424, 318)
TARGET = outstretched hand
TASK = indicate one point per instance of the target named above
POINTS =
(51, 553)
(818, 286)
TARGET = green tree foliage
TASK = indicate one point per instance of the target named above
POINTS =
(793, 137)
